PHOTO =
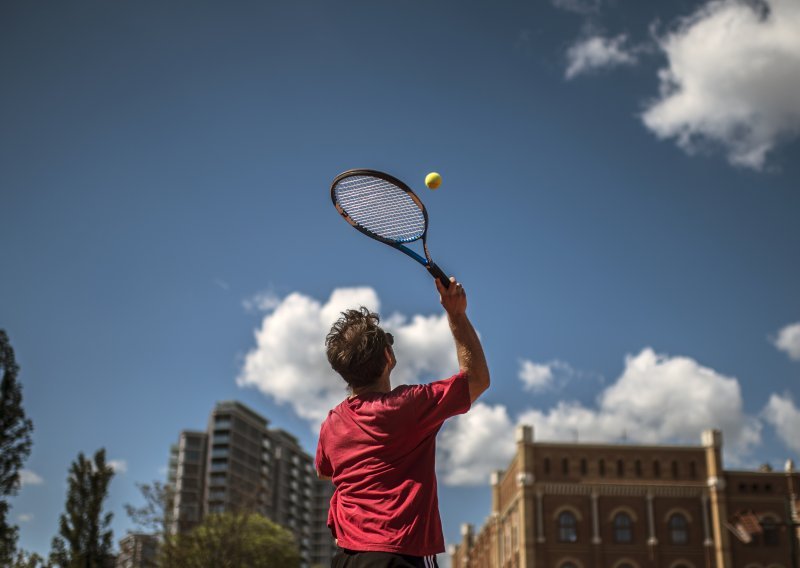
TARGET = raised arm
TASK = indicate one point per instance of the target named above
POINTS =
(471, 359)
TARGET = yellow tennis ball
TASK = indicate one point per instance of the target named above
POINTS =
(433, 180)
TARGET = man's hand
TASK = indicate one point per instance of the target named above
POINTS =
(453, 299)
(471, 359)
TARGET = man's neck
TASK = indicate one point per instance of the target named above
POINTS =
(382, 385)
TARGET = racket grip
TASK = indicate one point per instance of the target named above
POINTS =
(437, 272)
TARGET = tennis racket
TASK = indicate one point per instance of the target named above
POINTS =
(385, 209)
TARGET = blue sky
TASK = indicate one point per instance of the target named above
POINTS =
(620, 199)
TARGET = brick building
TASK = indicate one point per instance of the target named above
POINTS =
(562, 505)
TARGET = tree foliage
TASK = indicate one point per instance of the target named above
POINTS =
(235, 540)
(84, 539)
(28, 560)
(155, 517)
(15, 444)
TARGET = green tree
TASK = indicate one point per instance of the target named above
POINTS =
(155, 516)
(235, 540)
(84, 539)
(15, 444)
(28, 560)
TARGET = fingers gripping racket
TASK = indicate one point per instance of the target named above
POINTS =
(385, 209)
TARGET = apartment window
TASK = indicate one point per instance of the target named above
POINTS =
(583, 466)
(191, 456)
(623, 528)
(678, 529)
(219, 466)
(771, 537)
(192, 442)
(638, 466)
(620, 468)
(692, 469)
(601, 467)
(565, 466)
(674, 469)
(657, 468)
(567, 527)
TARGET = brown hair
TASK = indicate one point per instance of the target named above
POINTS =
(355, 347)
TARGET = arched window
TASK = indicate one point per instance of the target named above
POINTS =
(623, 528)
(678, 529)
(771, 537)
(567, 527)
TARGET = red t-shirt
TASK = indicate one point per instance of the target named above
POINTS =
(379, 449)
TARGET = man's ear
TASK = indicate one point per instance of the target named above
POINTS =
(391, 360)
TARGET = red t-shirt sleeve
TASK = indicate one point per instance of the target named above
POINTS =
(436, 402)
(323, 464)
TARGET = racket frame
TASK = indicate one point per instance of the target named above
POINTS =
(427, 261)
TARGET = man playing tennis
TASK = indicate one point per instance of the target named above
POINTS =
(379, 445)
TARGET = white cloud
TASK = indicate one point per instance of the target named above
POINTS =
(656, 399)
(788, 340)
(119, 466)
(28, 477)
(474, 444)
(785, 418)
(535, 376)
(25, 517)
(261, 302)
(597, 52)
(538, 377)
(289, 364)
(732, 79)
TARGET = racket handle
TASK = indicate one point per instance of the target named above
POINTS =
(437, 272)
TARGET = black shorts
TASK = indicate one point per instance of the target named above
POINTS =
(353, 559)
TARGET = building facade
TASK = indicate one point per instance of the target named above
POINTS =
(240, 464)
(137, 550)
(561, 505)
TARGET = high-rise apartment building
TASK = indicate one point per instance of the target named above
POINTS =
(137, 550)
(187, 468)
(561, 505)
(239, 463)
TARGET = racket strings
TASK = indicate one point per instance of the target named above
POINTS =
(381, 208)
